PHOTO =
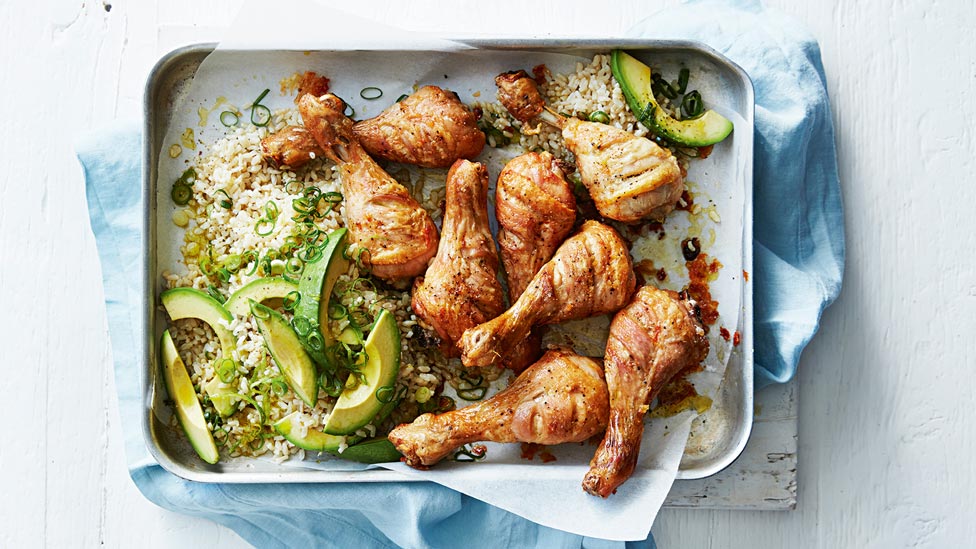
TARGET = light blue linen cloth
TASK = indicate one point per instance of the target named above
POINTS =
(798, 264)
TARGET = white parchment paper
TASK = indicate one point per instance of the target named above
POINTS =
(253, 57)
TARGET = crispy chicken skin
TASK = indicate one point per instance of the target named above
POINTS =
(630, 178)
(560, 398)
(460, 288)
(381, 215)
(312, 83)
(520, 95)
(536, 210)
(430, 128)
(590, 274)
(291, 147)
(651, 340)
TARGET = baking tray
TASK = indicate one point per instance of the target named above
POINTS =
(718, 436)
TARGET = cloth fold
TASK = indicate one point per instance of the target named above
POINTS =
(798, 262)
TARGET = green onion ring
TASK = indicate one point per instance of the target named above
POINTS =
(401, 98)
(293, 187)
(599, 116)
(268, 224)
(278, 386)
(291, 300)
(386, 394)
(692, 105)
(370, 93)
(683, 75)
(229, 118)
(181, 194)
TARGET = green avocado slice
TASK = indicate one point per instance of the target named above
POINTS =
(315, 289)
(183, 303)
(358, 404)
(188, 409)
(287, 351)
(260, 290)
(634, 78)
(377, 450)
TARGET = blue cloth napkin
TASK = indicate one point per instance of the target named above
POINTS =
(799, 250)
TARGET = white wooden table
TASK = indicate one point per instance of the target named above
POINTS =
(887, 392)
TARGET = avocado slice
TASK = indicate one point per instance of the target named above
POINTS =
(188, 409)
(183, 303)
(376, 450)
(634, 78)
(315, 288)
(260, 290)
(358, 404)
(287, 351)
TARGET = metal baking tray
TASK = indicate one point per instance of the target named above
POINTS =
(718, 435)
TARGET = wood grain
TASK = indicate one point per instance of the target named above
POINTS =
(886, 435)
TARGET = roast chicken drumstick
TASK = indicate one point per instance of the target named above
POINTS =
(651, 340)
(460, 289)
(590, 274)
(560, 398)
(536, 210)
(380, 213)
(630, 178)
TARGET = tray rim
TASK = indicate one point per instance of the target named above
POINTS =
(147, 345)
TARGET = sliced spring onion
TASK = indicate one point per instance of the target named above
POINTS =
(278, 386)
(232, 263)
(213, 292)
(401, 98)
(422, 395)
(294, 266)
(683, 75)
(291, 299)
(264, 226)
(223, 199)
(352, 111)
(370, 93)
(229, 118)
(206, 266)
(386, 394)
(227, 370)
(260, 115)
(599, 116)
(294, 187)
(181, 194)
(271, 210)
(473, 453)
(692, 105)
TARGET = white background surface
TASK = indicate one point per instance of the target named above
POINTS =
(886, 389)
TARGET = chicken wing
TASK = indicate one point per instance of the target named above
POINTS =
(380, 213)
(651, 340)
(430, 128)
(630, 178)
(590, 274)
(536, 210)
(561, 398)
(461, 288)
